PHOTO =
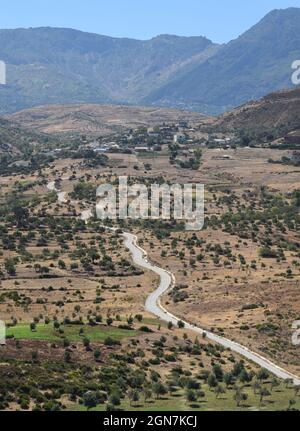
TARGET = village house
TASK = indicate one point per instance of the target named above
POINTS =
(179, 138)
(142, 149)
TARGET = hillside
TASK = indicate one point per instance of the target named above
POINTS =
(279, 110)
(8, 136)
(16, 140)
(98, 119)
(255, 64)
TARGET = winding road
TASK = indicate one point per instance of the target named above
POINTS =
(154, 306)
(167, 280)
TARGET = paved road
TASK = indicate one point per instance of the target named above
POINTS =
(153, 305)
(167, 280)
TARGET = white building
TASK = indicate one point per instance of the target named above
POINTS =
(142, 149)
(179, 138)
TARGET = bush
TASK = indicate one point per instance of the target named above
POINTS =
(268, 253)
(145, 329)
(111, 342)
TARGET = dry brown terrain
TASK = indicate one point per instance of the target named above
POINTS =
(272, 111)
(98, 119)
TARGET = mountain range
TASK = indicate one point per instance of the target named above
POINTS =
(66, 66)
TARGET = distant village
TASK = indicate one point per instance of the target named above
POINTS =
(182, 137)
(152, 139)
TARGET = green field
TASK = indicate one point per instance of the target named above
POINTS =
(154, 322)
(47, 332)
(277, 401)
(150, 155)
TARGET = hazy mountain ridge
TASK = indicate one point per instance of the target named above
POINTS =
(65, 66)
(255, 64)
(49, 65)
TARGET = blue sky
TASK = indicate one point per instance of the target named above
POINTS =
(219, 20)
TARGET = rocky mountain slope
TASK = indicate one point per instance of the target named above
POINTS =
(255, 64)
(53, 65)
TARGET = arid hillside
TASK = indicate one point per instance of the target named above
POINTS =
(15, 140)
(98, 119)
(280, 110)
